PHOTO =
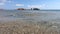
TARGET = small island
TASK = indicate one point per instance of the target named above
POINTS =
(20, 9)
(36, 9)
(27, 9)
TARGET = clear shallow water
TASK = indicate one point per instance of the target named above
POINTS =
(30, 15)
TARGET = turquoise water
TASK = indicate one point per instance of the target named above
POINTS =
(30, 15)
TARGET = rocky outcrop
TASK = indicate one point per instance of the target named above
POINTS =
(20, 9)
(36, 9)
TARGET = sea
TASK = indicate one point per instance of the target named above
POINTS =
(31, 15)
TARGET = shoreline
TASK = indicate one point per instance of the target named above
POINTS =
(31, 25)
(28, 27)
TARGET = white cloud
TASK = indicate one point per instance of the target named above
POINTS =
(37, 6)
(1, 3)
(19, 4)
(34, 6)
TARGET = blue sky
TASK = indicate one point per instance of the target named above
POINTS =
(42, 4)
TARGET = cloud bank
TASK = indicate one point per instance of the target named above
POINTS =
(2, 2)
(36, 6)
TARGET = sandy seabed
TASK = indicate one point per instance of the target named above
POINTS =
(28, 27)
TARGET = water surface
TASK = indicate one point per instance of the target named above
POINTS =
(30, 15)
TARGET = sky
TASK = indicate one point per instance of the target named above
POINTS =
(42, 4)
